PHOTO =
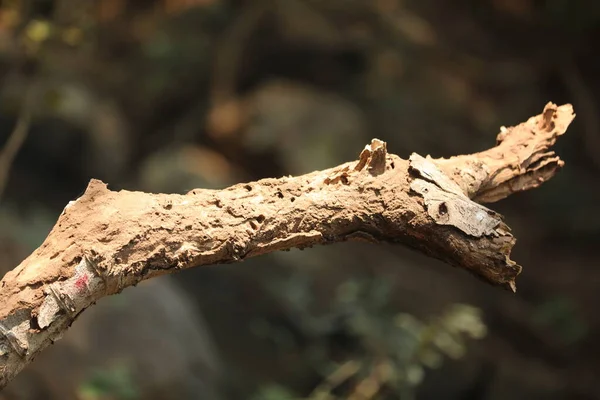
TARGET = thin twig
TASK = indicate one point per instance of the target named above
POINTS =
(339, 376)
(16, 139)
(372, 384)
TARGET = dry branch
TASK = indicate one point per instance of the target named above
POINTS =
(106, 241)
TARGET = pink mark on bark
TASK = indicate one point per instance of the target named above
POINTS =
(81, 282)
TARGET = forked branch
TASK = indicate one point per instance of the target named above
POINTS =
(106, 241)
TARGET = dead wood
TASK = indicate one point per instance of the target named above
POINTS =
(106, 241)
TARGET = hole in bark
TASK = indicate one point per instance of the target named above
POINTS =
(392, 165)
(293, 199)
(260, 219)
(443, 209)
(34, 323)
(168, 206)
(344, 179)
(253, 225)
(248, 188)
(280, 195)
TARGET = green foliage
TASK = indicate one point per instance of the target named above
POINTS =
(560, 315)
(384, 351)
(115, 383)
(274, 392)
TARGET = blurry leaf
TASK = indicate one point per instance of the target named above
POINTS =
(52, 99)
(381, 291)
(159, 46)
(465, 319)
(297, 291)
(415, 28)
(560, 315)
(72, 36)
(360, 323)
(274, 392)
(415, 374)
(403, 345)
(449, 344)
(431, 358)
(408, 322)
(38, 31)
(115, 383)
(348, 292)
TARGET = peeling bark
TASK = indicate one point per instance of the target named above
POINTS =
(106, 241)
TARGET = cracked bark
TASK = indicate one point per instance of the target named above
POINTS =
(106, 241)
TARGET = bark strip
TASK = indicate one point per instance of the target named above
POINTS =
(106, 241)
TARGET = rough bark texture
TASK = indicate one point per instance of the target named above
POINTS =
(106, 241)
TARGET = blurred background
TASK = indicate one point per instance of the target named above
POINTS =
(171, 95)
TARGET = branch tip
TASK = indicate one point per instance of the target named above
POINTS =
(96, 186)
(512, 286)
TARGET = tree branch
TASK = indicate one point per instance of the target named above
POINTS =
(106, 241)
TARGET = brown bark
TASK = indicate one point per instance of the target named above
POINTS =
(106, 241)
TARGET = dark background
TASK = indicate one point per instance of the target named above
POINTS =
(170, 95)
